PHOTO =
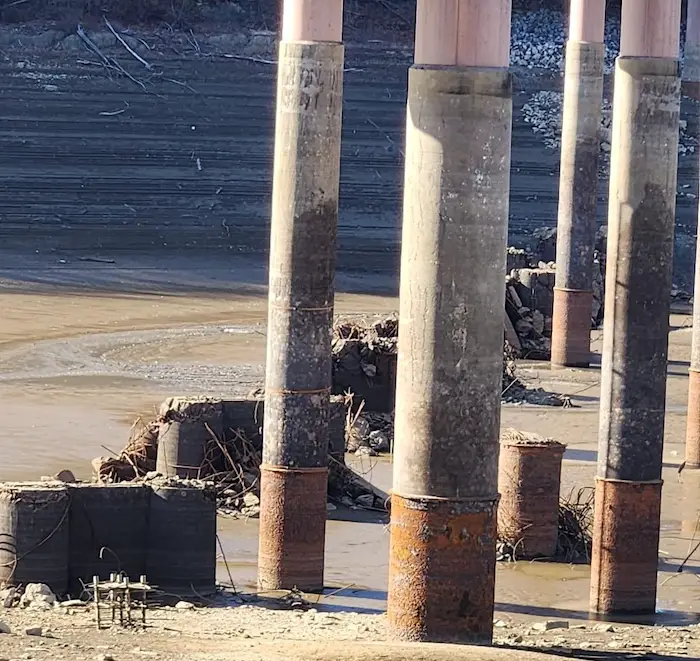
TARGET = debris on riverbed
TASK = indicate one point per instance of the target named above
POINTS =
(575, 533)
(231, 466)
(364, 361)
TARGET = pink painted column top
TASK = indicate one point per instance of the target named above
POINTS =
(469, 33)
(651, 28)
(587, 21)
(312, 20)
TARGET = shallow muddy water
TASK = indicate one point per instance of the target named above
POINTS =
(76, 371)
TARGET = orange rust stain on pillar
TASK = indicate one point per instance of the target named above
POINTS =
(287, 531)
(529, 477)
(571, 324)
(437, 548)
(625, 546)
(692, 436)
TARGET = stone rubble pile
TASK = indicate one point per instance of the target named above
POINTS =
(538, 40)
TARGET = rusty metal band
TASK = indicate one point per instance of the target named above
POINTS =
(529, 478)
(292, 528)
(283, 391)
(293, 469)
(440, 499)
(298, 308)
(571, 327)
(692, 432)
(625, 547)
(442, 570)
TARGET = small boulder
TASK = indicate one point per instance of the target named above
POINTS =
(33, 631)
(37, 593)
(184, 605)
(366, 500)
(5, 628)
(65, 476)
(251, 500)
(379, 441)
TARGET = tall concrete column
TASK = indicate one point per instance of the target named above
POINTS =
(578, 184)
(638, 283)
(691, 87)
(445, 491)
(302, 265)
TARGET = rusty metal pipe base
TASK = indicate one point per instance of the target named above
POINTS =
(442, 569)
(571, 327)
(625, 547)
(692, 434)
(292, 528)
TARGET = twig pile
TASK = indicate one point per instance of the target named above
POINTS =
(575, 532)
(576, 526)
(231, 466)
(136, 459)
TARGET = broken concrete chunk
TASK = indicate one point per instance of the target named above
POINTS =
(550, 625)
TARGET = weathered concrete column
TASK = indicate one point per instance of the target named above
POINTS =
(443, 507)
(578, 184)
(302, 264)
(692, 433)
(691, 57)
(691, 87)
(635, 344)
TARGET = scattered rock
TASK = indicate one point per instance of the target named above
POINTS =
(604, 628)
(33, 631)
(330, 507)
(7, 597)
(37, 595)
(104, 657)
(65, 476)
(366, 500)
(500, 624)
(550, 625)
(5, 628)
(379, 441)
(72, 603)
(251, 500)
(184, 605)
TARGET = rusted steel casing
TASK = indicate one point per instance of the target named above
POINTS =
(442, 569)
(302, 267)
(571, 327)
(692, 434)
(578, 196)
(625, 547)
(292, 532)
(529, 477)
